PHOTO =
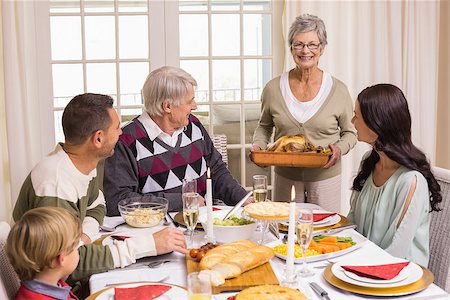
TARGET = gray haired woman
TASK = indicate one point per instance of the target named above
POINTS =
(307, 100)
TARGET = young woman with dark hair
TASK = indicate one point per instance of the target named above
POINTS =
(394, 191)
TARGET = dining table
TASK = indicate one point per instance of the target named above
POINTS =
(171, 268)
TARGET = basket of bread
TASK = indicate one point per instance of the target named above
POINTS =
(292, 151)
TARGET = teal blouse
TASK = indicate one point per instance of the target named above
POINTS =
(376, 211)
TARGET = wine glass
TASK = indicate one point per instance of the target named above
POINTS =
(199, 286)
(190, 213)
(189, 186)
(304, 230)
(260, 188)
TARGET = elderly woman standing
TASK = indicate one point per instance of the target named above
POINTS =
(306, 100)
(164, 145)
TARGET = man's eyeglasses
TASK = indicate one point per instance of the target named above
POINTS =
(310, 46)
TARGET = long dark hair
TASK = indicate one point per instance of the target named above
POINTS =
(385, 111)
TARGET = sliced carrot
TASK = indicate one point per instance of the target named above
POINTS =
(330, 248)
(344, 245)
(329, 239)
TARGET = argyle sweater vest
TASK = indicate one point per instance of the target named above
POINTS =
(162, 167)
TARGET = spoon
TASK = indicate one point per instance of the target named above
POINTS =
(110, 229)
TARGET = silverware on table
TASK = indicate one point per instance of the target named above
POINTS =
(127, 282)
(173, 221)
(335, 229)
(110, 229)
(236, 207)
(319, 290)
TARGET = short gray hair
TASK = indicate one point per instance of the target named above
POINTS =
(166, 83)
(307, 23)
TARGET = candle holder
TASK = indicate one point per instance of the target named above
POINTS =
(289, 280)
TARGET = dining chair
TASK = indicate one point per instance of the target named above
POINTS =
(9, 281)
(439, 262)
(220, 142)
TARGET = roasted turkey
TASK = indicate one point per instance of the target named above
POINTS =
(294, 143)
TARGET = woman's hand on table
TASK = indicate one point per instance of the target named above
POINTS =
(168, 240)
(335, 156)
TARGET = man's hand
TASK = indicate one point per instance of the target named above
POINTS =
(335, 156)
(168, 240)
(85, 239)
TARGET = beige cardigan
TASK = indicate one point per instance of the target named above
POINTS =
(330, 125)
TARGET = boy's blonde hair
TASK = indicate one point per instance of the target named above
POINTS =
(40, 236)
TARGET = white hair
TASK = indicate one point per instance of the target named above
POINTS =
(165, 84)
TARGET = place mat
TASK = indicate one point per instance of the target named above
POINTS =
(343, 221)
(258, 276)
(421, 284)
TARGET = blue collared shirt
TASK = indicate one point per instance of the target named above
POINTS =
(55, 291)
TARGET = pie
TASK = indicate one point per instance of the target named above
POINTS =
(270, 292)
(268, 210)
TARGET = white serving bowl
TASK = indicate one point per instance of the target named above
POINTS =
(228, 234)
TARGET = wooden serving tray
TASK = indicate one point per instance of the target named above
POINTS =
(257, 276)
(289, 159)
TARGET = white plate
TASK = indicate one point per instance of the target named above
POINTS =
(360, 240)
(330, 221)
(413, 273)
(175, 293)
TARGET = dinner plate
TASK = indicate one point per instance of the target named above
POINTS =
(413, 273)
(360, 240)
(175, 293)
(421, 284)
(329, 221)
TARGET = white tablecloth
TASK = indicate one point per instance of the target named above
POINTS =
(176, 270)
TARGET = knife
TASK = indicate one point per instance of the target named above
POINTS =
(236, 207)
(334, 230)
(319, 290)
(173, 221)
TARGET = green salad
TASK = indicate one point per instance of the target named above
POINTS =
(233, 220)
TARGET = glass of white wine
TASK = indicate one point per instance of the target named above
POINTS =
(304, 231)
(190, 213)
(260, 188)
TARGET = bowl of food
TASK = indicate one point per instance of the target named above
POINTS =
(143, 211)
(234, 228)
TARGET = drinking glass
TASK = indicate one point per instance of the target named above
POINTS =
(199, 286)
(189, 186)
(190, 213)
(260, 188)
(304, 230)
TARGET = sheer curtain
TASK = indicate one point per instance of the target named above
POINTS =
(372, 42)
(27, 116)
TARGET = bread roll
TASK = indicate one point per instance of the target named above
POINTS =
(216, 255)
(238, 263)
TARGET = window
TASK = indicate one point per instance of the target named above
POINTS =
(107, 46)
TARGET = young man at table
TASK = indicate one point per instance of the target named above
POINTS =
(164, 145)
(67, 178)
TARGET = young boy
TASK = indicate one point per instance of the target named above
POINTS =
(43, 249)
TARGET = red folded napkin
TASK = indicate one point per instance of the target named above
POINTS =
(216, 208)
(119, 237)
(143, 292)
(320, 216)
(385, 272)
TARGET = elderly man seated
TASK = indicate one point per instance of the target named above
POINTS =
(165, 145)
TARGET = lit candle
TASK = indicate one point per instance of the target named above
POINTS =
(209, 209)
(291, 238)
